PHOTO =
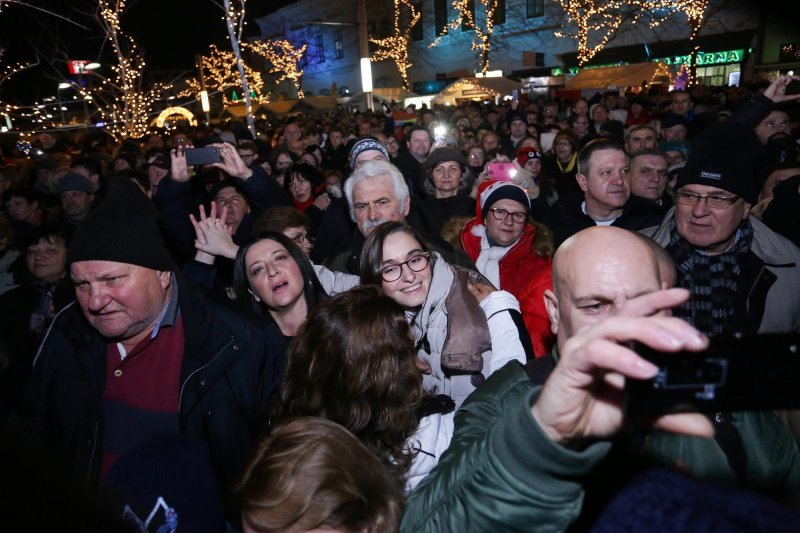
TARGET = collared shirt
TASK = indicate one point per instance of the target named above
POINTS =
(168, 316)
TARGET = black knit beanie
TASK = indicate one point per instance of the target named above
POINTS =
(123, 229)
(725, 156)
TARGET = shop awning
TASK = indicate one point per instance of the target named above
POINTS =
(392, 94)
(476, 89)
(618, 77)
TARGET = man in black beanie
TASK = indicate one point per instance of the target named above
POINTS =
(142, 354)
(743, 276)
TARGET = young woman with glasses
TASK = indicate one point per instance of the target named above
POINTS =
(463, 329)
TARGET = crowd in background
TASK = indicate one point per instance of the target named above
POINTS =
(464, 216)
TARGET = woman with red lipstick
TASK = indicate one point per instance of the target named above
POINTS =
(464, 330)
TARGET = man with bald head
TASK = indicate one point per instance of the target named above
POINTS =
(599, 270)
(605, 279)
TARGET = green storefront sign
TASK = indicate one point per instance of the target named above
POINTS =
(703, 59)
(706, 58)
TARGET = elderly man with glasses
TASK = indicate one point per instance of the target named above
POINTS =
(743, 276)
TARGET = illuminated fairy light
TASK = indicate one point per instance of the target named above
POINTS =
(123, 102)
(284, 58)
(221, 73)
(7, 72)
(396, 46)
(597, 21)
(482, 40)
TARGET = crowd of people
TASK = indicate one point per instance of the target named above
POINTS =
(415, 319)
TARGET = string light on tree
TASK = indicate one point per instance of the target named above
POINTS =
(285, 59)
(482, 40)
(396, 46)
(122, 99)
(221, 73)
(7, 72)
(597, 21)
(234, 21)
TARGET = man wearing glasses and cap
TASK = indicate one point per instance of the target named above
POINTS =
(743, 276)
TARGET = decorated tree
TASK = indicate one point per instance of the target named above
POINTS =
(284, 59)
(234, 21)
(598, 21)
(695, 12)
(124, 101)
(482, 39)
(6, 71)
(396, 46)
(221, 72)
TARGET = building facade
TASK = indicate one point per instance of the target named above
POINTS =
(733, 44)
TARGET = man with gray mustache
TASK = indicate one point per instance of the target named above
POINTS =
(376, 192)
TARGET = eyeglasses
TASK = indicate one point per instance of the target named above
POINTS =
(501, 214)
(416, 263)
(246, 156)
(719, 202)
(300, 238)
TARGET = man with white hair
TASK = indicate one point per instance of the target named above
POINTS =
(376, 192)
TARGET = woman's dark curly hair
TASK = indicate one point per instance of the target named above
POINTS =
(353, 362)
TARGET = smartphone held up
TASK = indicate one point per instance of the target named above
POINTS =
(202, 156)
(502, 171)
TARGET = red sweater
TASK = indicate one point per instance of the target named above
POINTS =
(525, 275)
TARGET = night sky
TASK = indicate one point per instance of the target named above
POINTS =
(171, 32)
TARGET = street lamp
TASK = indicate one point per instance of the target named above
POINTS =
(61, 86)
(363, 44)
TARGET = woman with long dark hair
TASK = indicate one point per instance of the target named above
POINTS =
(273, 276)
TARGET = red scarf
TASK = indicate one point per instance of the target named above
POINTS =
(302, 206)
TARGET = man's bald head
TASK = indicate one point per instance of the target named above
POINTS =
(601, 244)
(594, 273)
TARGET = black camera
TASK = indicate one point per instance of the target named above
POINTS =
(735, 373)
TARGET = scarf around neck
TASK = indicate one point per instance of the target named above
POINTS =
(712, 280)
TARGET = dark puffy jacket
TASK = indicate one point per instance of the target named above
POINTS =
(231, 369)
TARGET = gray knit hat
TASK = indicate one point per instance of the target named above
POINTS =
(365, 144)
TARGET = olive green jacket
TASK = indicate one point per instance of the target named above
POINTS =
(501, 472)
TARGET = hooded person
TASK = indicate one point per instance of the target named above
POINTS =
(514, 252)
(447, 182)
(561, 164)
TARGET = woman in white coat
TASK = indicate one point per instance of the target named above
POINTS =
(464, 330)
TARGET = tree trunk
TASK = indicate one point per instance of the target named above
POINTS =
(248, 102)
